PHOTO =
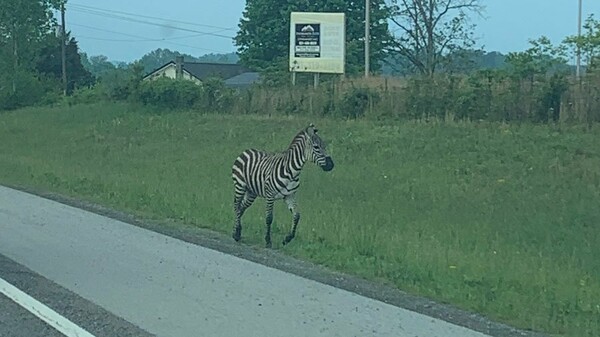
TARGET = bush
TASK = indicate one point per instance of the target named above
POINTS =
(426, 96)
(357, 101)
(216, 96)
(29, 90)
(551, 95)
(85, 96)
(169, 93)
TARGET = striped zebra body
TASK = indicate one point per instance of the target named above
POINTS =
(275, 176)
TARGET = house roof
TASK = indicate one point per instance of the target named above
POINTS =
(203, 70)
(243, 79)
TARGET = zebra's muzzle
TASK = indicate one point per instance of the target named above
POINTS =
(328, 164)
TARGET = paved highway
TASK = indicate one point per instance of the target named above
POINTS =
(115, 279)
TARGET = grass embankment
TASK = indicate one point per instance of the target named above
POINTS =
(497, 219)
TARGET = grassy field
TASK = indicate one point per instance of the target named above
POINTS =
(503, 220)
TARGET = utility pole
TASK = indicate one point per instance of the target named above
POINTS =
(63, 49)
(16, 58)
(367, 36)
(578, 72)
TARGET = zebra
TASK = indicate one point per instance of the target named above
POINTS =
(275, 176)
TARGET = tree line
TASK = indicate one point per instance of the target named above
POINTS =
(424, 41)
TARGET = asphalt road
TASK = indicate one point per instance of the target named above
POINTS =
(122, 277)
(15, 321)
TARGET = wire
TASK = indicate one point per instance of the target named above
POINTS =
(140, 38)
(146, 16)
(108, 15)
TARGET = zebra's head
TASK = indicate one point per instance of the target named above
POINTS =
(318, 153)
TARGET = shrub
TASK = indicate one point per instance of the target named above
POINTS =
(169, 93)
(356, 102)
(216, 96)
(29, 90)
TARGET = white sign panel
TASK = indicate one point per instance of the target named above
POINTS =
(317, 42)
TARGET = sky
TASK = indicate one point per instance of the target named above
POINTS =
(207, 26)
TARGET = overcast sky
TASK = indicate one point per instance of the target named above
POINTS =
(507, 26)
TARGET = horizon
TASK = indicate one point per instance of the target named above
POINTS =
(118, 31)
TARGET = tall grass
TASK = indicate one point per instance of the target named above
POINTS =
(501, 219)
(484, 95)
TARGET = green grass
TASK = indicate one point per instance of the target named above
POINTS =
(503, 220)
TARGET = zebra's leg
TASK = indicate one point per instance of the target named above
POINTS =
(237, 207)
(269, 221)
(292, 205)
(241, 202)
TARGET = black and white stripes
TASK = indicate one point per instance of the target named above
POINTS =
(275, 176)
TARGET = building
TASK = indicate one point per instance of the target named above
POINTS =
(234, 75)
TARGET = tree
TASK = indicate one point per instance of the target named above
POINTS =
(588, 43)
(263, 37)
(220, 58)
(24, 28)
(159, 57)
(538, 59)
(545, 64)
(50, 63)
(23, 24)
(97, 65)
(430, 30)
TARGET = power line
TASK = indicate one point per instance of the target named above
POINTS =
(142, 38)
(114, 16)
(147, 16)
(124, 40)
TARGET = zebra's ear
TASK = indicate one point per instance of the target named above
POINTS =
(311, 125)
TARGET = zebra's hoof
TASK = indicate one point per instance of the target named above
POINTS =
(268, 244)
(237, 236)
(287, 239)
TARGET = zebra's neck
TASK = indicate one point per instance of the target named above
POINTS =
(297, 154)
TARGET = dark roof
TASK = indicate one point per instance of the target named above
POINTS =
(243, 79)
(203, 70)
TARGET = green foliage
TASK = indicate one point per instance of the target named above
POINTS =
(265, 31)
(476, 98)
(216, 96)
(357, 101)
(160, 57)
(97, 65)
(85, 96)
(588, 43)
(540, 73)
(114, 84)
(426, 96)
(20, 88)
(30, 55)
(551, 94)
(120, 84)
(50, 63)
(541, 58)
(169, 93)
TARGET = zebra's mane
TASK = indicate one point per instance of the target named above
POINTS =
(301, 135)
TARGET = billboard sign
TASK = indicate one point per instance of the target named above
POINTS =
(317, 42)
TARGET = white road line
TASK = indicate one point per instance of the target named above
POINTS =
(46, 314)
